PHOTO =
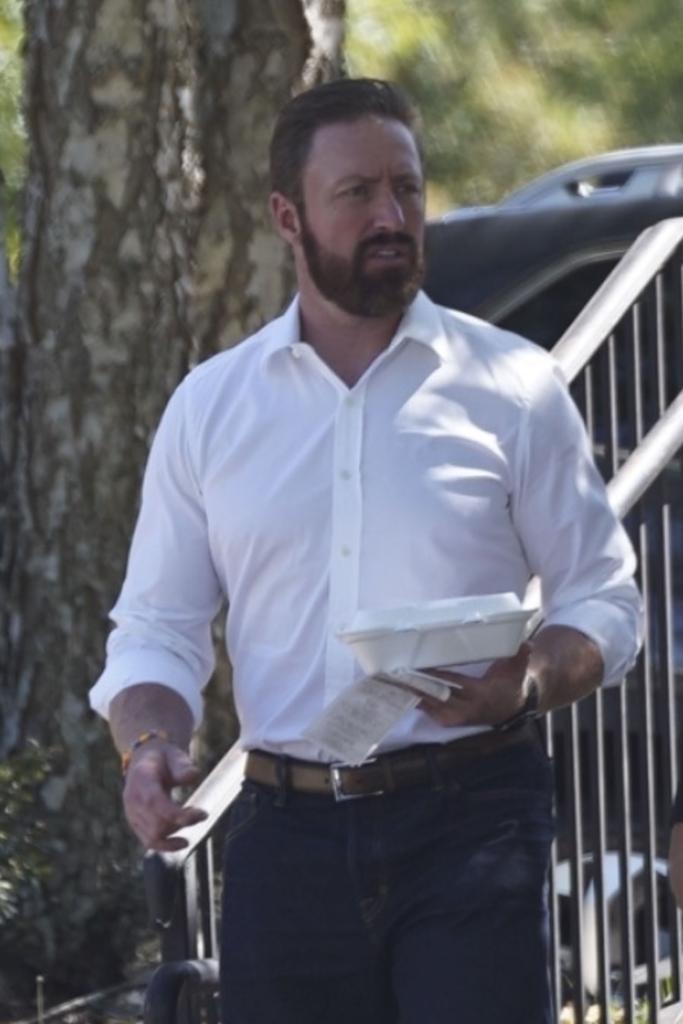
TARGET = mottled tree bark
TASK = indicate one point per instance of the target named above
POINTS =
(146, 247)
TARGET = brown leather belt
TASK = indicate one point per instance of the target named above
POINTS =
(387, 773)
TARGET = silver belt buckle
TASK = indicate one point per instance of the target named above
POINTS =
(335, 778)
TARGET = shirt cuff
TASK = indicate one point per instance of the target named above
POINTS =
(145, 665)
(615, 628)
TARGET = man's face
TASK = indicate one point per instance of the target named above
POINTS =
(362, 216)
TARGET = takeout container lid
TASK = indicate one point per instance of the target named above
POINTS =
(450, 631)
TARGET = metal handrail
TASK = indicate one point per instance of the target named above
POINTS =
(672, 1014)
(633, 478)
(213, 795)
(616, 295)
(648, 460)
(167, 983)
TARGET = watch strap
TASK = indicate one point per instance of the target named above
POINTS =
(529, 709)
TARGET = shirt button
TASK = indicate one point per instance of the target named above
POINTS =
(296, 351)
(345, 474)
(345, 551)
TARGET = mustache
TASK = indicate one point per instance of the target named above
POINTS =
(386, 238)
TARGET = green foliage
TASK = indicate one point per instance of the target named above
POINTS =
(509, 90)
(24, 842)
(12, 136)
(11, 128)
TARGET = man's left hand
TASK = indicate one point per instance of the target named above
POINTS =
(486, 700)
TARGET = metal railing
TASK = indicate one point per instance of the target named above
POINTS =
(616, 933)
(613, 946)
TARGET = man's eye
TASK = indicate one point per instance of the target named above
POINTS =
(356, 191)
(409, 188)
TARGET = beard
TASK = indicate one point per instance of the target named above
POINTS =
(356, 290)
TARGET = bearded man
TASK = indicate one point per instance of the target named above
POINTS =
(365, 450)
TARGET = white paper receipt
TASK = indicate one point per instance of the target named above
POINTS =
(358, 719)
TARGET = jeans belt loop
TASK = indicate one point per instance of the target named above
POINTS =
(435, 769)
(282, 776)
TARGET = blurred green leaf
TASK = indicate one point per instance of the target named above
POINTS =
(25, 856)
(509, 90)
(12, 135)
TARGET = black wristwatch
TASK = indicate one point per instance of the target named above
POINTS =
(529, 709)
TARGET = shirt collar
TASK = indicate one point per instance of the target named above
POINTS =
(284, 332)
(421, 323)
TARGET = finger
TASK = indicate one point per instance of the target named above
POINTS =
(431, 704)
(157, 837)
(457, 678)
(172, 816)
(152, 839)
(167, 845)
(191, 816)
(181, 768)
(186, 817)
(159, 834)
(153, 815)
(150, 798)
(450, 712)
(162, 816)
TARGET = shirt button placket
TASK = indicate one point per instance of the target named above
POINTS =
(346, 537)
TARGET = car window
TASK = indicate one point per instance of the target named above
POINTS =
(545, 316)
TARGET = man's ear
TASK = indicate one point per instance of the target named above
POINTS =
(285, 217)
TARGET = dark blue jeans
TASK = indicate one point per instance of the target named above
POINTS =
(423, 907)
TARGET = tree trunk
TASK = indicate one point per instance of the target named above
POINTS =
(146, 247)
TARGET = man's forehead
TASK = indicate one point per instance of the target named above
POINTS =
(345, 148)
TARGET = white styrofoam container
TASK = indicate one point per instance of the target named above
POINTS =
(453, 631)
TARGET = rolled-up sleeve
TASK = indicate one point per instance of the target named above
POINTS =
(573, 540)
(171, 591)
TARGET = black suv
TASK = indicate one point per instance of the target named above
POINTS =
(531, 262)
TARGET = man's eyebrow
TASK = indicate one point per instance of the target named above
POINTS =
(371, 179)
(357, 177)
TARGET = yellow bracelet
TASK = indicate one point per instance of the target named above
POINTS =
(144, 737)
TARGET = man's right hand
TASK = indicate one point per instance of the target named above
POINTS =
(154, 770)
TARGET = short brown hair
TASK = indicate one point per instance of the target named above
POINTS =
(345, 99)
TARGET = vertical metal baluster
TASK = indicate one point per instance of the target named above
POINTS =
(668, 723)
(576, 847)
(624, 824)
(207, 917)
(663, 695)
(624, 812)
(175, 938)
(647, 782)
(547, 727)
(656, 346)
(660, 337)
(189, 1003)
(674, 586)
(599, 848)
(596, 733)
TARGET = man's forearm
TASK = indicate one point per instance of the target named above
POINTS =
(566, 663)
(149, 707)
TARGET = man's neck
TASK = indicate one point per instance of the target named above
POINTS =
(347, 344)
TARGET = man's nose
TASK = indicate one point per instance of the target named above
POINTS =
(387, 211)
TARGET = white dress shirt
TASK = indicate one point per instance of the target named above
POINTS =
(457, 465)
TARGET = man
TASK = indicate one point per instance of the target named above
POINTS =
(366, 449)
